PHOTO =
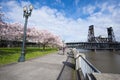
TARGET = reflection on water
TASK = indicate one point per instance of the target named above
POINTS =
(105, 61)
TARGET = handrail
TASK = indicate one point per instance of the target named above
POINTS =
(84, 67)
(93, 67)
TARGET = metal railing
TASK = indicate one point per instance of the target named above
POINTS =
(85, 66)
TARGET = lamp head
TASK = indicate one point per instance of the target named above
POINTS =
(31, 7)
(25, 8)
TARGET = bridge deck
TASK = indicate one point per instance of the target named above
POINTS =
(88, 45)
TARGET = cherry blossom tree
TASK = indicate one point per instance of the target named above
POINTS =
(3, 27)
(45, 38)
(14, 32)
(11, 32)
(33, 34)
(2, 23)
(51, 39)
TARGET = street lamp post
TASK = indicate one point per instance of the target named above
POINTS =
(26, 14)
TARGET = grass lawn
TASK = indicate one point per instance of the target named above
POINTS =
(11, 55)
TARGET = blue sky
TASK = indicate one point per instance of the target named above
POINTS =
(67, 18)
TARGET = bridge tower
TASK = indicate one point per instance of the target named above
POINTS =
(111, 36)
(91, 37)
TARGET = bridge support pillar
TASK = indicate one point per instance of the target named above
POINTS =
(114, 50)
(94, 50)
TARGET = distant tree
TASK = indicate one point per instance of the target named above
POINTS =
(44, 38)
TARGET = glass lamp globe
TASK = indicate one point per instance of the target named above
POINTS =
(24, 8)
(31, 7)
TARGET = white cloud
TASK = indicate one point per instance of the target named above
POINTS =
(69, 29)
(88, 9)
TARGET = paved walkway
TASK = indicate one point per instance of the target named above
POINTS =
(49, 67)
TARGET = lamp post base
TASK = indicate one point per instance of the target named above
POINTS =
(21, 59)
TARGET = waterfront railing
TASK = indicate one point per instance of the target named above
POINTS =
(83, 67)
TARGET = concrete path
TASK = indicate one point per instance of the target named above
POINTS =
(49, 67)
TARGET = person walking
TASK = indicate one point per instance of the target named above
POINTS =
(63, 50)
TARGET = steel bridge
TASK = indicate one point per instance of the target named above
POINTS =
(107, 43)
(93, 46)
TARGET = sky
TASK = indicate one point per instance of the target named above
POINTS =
(70, 19)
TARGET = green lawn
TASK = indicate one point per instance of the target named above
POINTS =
(11, 55)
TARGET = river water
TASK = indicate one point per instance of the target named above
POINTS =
(103, 60)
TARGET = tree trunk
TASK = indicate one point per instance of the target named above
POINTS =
(43, 47)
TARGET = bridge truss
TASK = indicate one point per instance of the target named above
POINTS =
(97, 42)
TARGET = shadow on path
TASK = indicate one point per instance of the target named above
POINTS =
(71, 65)
(66, 72)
